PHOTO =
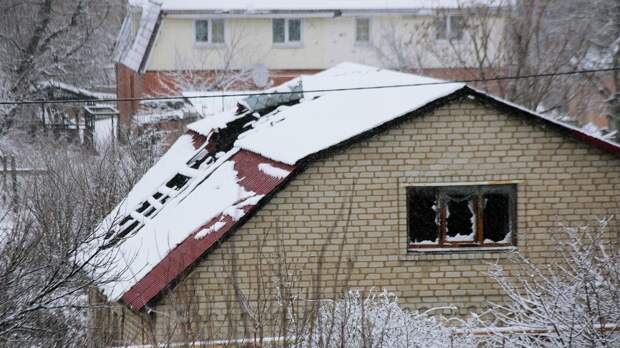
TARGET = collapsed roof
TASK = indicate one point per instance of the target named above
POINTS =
(228, 165)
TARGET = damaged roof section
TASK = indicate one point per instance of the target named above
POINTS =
(230, 164)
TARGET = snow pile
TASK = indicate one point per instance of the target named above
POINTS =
(273, 171)
(210, 103)
(76, 90)
(376, 320)
(234, 212)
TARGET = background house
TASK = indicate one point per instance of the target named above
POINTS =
(178, 45)
(414, 189)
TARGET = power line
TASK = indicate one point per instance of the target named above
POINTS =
(164, 98)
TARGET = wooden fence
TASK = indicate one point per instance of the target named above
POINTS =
(9, 176)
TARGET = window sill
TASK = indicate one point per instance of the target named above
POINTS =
(458, 253)
(288, 45)
(362, 44)
(209, 45)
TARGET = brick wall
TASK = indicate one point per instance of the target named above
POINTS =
(559, 180)
(129, 84)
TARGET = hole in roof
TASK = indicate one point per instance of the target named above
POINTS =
(200, 158)
(129, 228)
(149, 212)
(143, 207)
(177, 182)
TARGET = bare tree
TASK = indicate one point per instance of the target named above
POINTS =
(572, 303)
(520, 38)
(65, 40)
(50, 249)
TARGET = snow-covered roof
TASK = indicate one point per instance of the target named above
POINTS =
(325, 119)
(210, 103)
(229, 164)
(252, 6)
(76, 90)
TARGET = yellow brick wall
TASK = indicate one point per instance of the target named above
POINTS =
(351, 205)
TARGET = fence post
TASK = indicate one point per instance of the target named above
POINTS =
(4, 170)
(14, 177)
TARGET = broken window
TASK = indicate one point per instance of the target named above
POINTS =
(461, 216)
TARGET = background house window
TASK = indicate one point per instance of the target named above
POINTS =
(209, 31)
(461, 216)
(286, 31)
(362, 29)
(449, 27)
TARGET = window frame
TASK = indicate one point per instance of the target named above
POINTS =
(355, 27)
(446, 22)
(287, 43)
(209, 42)
(511, 188)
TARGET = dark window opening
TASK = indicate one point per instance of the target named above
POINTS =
(177, 182)
(460, 220)
(423, 215)
(497, 217)
(462, 216)
(164, 199)
(157, 195)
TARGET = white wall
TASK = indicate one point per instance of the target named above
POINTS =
(325, 42)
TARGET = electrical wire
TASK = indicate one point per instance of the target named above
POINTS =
(168, 98)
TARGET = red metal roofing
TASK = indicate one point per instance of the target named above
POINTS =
(191, 249)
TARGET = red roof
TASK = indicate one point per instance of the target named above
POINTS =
(187, 252)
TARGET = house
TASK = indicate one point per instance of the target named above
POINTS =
(173, 45)
(92, 123)
(415, 188)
